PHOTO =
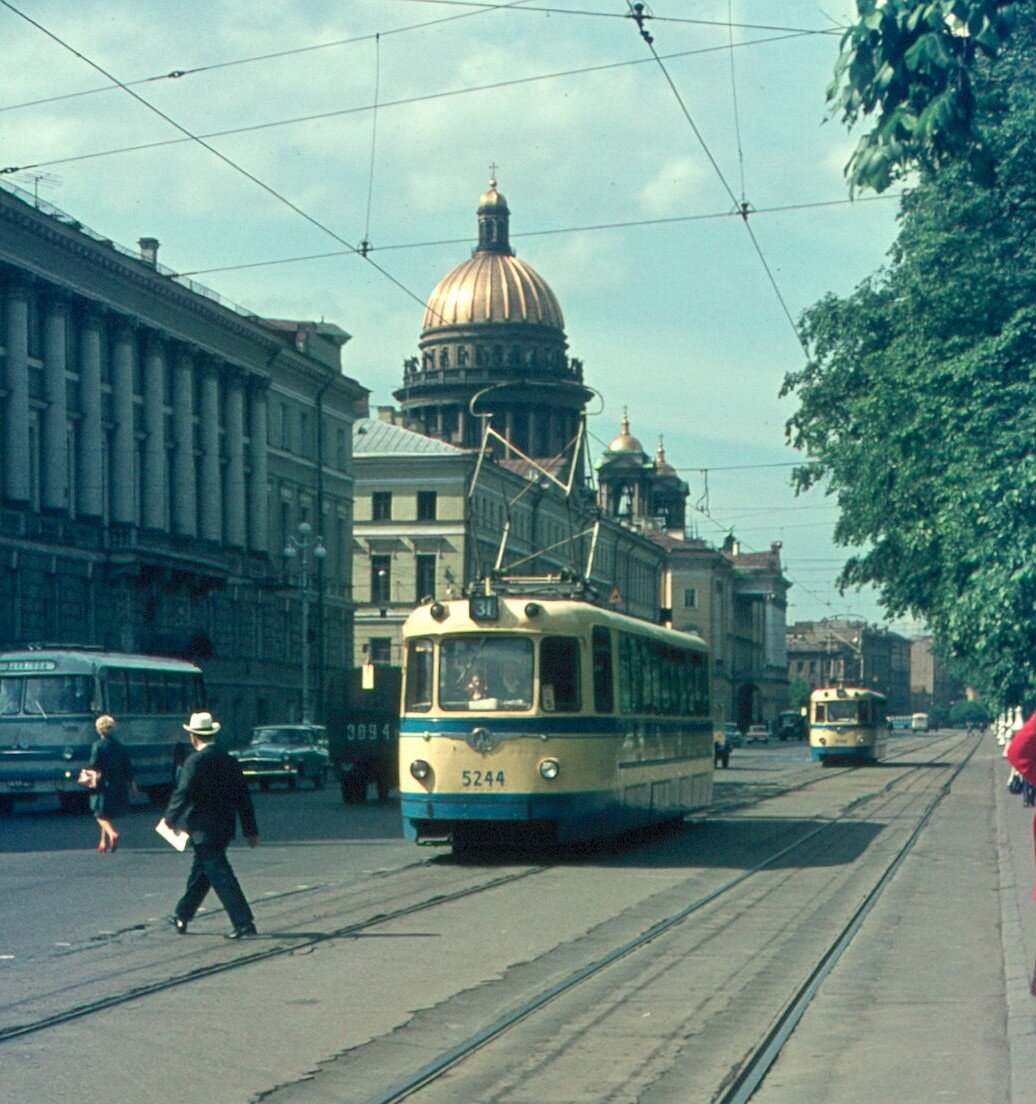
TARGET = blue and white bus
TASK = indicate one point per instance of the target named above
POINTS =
(50, 697)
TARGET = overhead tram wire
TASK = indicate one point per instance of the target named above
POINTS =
(629, 224)
(733, 97)
(178, 74)
(837, 29)
(639, 15)
(221, 156)
(365, 245)
(406, 101)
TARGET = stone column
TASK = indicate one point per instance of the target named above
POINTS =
(234, 491)
(184, 507)
(210, 525)
(16, 409)
(258, 445)
(152, 509)
(55, 417)
(91, 453)
(124, 356)
(530, 444)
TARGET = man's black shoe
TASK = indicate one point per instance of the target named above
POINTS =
(180, 925)
(242, 933)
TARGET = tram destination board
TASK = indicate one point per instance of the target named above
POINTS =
(484, 607)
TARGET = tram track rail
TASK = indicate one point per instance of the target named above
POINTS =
(757, 1063)
(201, 973)
(198, 973)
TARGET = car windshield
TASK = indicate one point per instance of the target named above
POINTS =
(282, 737)
(489, 672)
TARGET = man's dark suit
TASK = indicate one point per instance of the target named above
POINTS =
(210, 794)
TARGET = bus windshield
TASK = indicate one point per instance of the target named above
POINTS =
(488, 672)
(46, 695)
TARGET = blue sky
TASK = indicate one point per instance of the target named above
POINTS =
(615, 200)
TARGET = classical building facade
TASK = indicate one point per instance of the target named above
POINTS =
(850, 651)
(431, 518)
(158, 449)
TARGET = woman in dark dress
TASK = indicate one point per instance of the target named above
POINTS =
(115, 780)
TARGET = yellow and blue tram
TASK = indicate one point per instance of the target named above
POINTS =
(847, 724)
(548, 720)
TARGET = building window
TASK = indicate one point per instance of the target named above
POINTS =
(381, 579)
(379, 650)
(381, 506)
(426, 505)
(425, 576)
(690, 598)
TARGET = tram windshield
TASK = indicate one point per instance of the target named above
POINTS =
(490, 672)
(46, 696)
(838, 710)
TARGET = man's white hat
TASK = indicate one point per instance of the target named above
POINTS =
(202, 724)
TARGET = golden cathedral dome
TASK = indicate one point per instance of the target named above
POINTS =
(625, 442)
(493, 286)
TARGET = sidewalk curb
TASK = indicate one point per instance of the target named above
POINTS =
(1021, 1006)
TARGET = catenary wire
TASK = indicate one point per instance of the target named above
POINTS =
(543, 10)
(365, 244)
(178, 74)
(630, 223)
(406, 101)
(280, 197)
(639, 16)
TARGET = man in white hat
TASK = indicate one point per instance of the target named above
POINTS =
(210, 795)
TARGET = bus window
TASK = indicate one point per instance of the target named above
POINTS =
(156, 693)
(419, 676)
(602, 649)
(559, 674)
(58, 694)
(197, 693)
(10, 696)
(115, 680)
(136, 683)
(177, 693)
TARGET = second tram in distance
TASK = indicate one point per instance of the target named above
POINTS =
(548, 720)
(847, 724)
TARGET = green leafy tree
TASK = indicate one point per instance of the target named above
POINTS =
(909, 64)
(798, 693)
(918, 401)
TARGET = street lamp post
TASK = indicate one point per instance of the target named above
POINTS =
(305, 545)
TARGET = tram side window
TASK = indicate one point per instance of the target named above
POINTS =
(559, 674)
(602, 657)
(419, 676)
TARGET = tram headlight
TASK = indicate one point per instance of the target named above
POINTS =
(420, 769)
(438, 611)
(533, 609)
(550, 769)
(822, 741)
(68, 753)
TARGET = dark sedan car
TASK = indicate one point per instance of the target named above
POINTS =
(286, 753)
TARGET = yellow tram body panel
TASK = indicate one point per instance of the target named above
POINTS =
(847, 724)
(566, 750)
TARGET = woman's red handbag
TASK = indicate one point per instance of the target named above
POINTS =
(89, 778)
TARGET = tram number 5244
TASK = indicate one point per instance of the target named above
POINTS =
(480, 778)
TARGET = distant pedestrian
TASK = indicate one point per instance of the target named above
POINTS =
(210, 796)
(115, 782)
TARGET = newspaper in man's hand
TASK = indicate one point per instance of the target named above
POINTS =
(173, 836)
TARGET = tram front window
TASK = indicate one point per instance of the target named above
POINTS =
(492, 673)
(840, 711)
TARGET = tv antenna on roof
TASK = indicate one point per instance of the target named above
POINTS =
(33, 180)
